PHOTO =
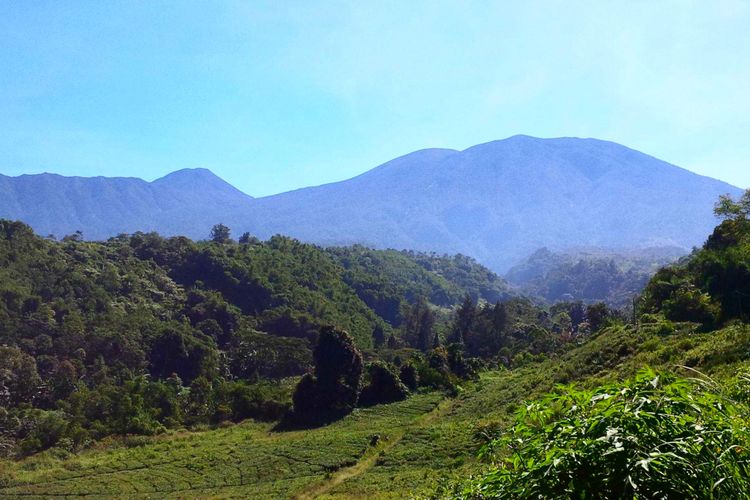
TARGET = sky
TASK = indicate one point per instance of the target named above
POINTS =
(278, 95)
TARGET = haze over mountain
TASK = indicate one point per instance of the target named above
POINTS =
(500, 201)
(497, 202)
(183, 202)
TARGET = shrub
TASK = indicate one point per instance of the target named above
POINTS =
(384, 387)
(688, 303)
(334, 388)
(409, 376)
(654, 437)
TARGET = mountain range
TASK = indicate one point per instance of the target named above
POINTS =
(497, 202)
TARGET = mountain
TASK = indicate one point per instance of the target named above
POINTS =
(496, 202)
(502, 200)
(102, 207)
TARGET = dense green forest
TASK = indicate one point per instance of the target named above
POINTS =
(142, 333)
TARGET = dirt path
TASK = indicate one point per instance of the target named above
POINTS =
(369, 459)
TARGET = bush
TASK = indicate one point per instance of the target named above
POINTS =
(409, 376)
(688, 303)
(385, 386)
(238, 400)
(334, 388)
(654, 437)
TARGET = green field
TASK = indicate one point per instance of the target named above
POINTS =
(419, 441)
(237, 461)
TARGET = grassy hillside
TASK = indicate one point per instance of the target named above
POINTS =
(423, 443)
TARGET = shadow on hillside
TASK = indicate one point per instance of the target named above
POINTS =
(292, 421)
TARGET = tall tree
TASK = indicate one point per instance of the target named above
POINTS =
(333, 389)
(426, 326)
(464, 320)
(220, 233)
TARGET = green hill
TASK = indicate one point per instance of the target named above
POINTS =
(142, 333)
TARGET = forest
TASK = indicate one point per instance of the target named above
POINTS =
(142, 333)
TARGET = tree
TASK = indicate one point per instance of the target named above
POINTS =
(597, 315)
(457, 362)
(728, 209)
(499, 317)
(487, 334)
(425, 336)
(378, 336)
(220, 233)
(77, 236)
(333, 389)
(464, 320)
(248, 239)
(384, 387)
(409, 376)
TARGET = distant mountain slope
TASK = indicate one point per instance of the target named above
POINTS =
(590, 276)
(500, 201)
(183, 202)
(496, 202)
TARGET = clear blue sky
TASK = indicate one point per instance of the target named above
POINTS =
(278, 95)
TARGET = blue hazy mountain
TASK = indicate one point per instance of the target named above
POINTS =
(105, 206)
(500, 201)
(497, 202)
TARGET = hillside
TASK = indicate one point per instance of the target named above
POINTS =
(425, 443)
(495, 202)
(615, 278)
(157, 319)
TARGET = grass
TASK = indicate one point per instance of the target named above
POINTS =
(424, 442)
(242, 460)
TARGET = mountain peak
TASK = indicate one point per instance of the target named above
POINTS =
(198, 174)
(199, 179)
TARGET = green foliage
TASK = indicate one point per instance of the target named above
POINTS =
(332, 391)
(388, 280)
(220, 234)
(84, 324)
(612, 278)
(510, 328)
(713, 285)
(384, 386)
(652, 437)
(409, 376)
(729, 209)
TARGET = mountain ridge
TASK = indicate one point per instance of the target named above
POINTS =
(497, 202)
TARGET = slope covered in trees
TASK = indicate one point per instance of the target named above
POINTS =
(590, 276)
(141, 333)
(657, 435)
(451, 423)
(387, 280)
